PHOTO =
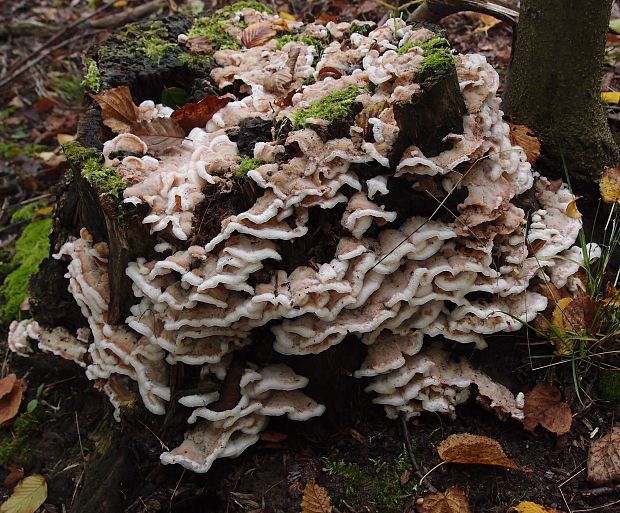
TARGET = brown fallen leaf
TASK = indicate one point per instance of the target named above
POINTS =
(201, 45)
(15, 475)
(453, 500)
(329, 71)
(544, 406)
(315, 499)
(6, 384)
(27, 496)
(118, 110)
(571, 209)
(159, 134)
(9, 403)
(257, 34)
(521, 135)
(604, 459)
(192, 115)
(609, 185)
(273, 437)
(474, 450)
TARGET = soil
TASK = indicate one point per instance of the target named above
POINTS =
(92, 463)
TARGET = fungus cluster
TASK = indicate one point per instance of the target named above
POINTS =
(460, 263)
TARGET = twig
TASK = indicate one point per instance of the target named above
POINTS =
(603, 490)
(434, 10)
(605, 506)
(414, 463)
(77, 425)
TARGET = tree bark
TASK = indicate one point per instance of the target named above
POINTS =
(554, 87)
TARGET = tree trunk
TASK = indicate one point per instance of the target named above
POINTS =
(554, 86)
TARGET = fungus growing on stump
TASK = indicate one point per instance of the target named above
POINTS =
(379, 114)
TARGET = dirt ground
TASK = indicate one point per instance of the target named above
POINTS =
(354, 452)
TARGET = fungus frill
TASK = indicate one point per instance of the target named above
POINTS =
(390, 274)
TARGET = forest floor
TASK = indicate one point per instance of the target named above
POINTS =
(360, 460)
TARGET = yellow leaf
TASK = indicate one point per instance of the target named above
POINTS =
(64, 138)
(120, 3)
(474, 450)
(488, 22)
(315, 499)
(609, 185)
(27, 497)
(572, 210)
(530, 507)
(45, 155)
(522, 135)
(557, 318)
(287, 16)
(611, 97)
(452, 501)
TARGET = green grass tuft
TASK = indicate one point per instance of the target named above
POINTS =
(91, 79)
(337, 105)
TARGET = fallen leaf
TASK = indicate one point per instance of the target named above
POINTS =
(544, 406)
(488, 22)
(315, 499)
(521, 135)
(257, 34)
(64, 138)
(572, 210)
(557, 317)
(614, 25)
(609, 185)
(611, 97)
(15, 475)
(531, 507)
(9, 403)
(118, 110)
(604, 459)
(474, 450)
(159, 134)
(6, 384)
(287, 16)
(453, 500)
(201, 45)
(329, 71)
(192, 115)
(404, 477)
(358, 436)
(27, 497)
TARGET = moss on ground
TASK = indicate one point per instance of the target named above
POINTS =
(246, 164)
(360, 28)
(15, 447)
(152, 41)
(380, 481)
(91, 79)
(103, 179)
(337, 105)
(31, 249)
(26, 213)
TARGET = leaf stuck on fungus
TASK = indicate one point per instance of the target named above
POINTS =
(118, 111)
(257, 34)
(544, 406)
(474, 450)
(193, 115)
(160, 134)
(523, 136)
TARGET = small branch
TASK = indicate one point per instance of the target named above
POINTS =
(416, 468)
(434, 10)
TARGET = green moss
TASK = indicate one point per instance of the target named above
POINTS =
(214, 27)
(609, 386)
(437, 55)
(195, 61)
(91, 79)
(31, 249)
(360, 28)
(319, 46)
(14, 447)
(246, 164)
(337, 105)
(26, 213)
(379, 482)
(150, 41)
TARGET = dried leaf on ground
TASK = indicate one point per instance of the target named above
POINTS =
(201, 45)
(6, 384)
(611, 97)
(544, 406)
(531, 507)
(257, 34)
(604, 459)
(192, 115)
(452, 500)
(14, 477)
(474, 450)
(521, 135)
(160, 134)
(9, 403)
(609, 185)
(27, 497)
(487, 22)
(315, 499)
(118, 110)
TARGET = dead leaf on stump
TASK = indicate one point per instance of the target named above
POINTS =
(474, 450)
(315, 499)
(453, 500)
(544, 406)
(521, 135)
(194, 115)
(257, 34)
(10, 400)
(604, 459)
(160, 134)
(118, 111)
